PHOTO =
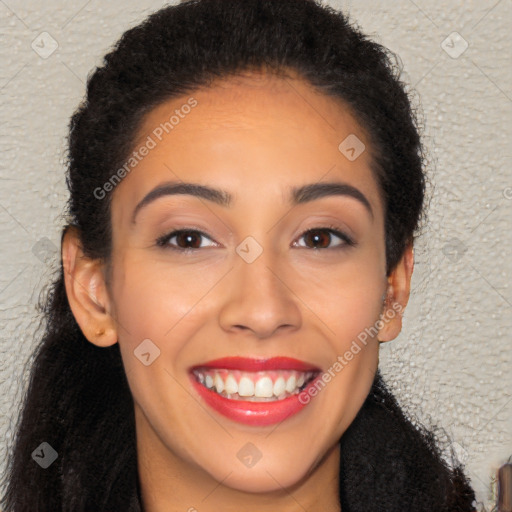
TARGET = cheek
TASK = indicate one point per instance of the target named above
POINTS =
(347, 298)
(165, 302)
(144, 310)
(151, 297)
(161, 302)
(348, 302)
(156, 315)
(349, 306)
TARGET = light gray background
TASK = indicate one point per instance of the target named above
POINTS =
(451, 365)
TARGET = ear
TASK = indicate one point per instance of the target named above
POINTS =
(86, 291)
(397, 296)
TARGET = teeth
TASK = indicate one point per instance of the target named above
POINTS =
(279, 386)
(246, 387)
(291, 383)
(254, 386)
(264, 388)
(219, 383)
(231, 385)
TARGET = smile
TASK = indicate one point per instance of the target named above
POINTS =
(255, 392)
(254, 386)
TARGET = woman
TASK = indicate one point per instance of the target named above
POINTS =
(246, 179)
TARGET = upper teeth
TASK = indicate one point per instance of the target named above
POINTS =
(270, 385)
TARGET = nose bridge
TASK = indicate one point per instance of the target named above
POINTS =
(258, 298)
(256, 264)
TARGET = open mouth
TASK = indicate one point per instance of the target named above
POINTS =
(253, 391)
(262, 386)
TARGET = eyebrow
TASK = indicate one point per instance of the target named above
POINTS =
(299, 195)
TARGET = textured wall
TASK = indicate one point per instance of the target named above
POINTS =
(451, 365)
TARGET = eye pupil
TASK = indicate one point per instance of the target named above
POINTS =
(317, 236)
(187, 237)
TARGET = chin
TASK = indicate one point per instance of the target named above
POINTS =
(272, 473)
(263, 480)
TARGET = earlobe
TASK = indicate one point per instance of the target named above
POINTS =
(86, 291)
(397, 296)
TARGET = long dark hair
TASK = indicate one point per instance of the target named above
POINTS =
(78, 400)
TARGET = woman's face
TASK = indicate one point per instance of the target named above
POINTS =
(254, 286)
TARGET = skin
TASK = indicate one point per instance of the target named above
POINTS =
(255, 137)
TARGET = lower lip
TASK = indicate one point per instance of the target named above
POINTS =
(252, 413)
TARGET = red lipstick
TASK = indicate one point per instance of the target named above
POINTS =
(259, 365)
(254, 413)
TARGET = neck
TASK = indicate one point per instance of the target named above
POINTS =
(169, 483)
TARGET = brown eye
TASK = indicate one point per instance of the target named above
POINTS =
(315, 238)
(185, 239)
(321, 238)
(191, 239)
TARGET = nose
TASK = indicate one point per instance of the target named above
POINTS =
(260, 298)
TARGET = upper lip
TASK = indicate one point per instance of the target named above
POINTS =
(250, 364)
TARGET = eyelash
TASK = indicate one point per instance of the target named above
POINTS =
(163, 241)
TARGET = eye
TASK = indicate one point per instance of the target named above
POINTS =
(189, 239)
(323, 235)
(183, 238)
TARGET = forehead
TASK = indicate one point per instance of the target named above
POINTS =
(256, 134)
